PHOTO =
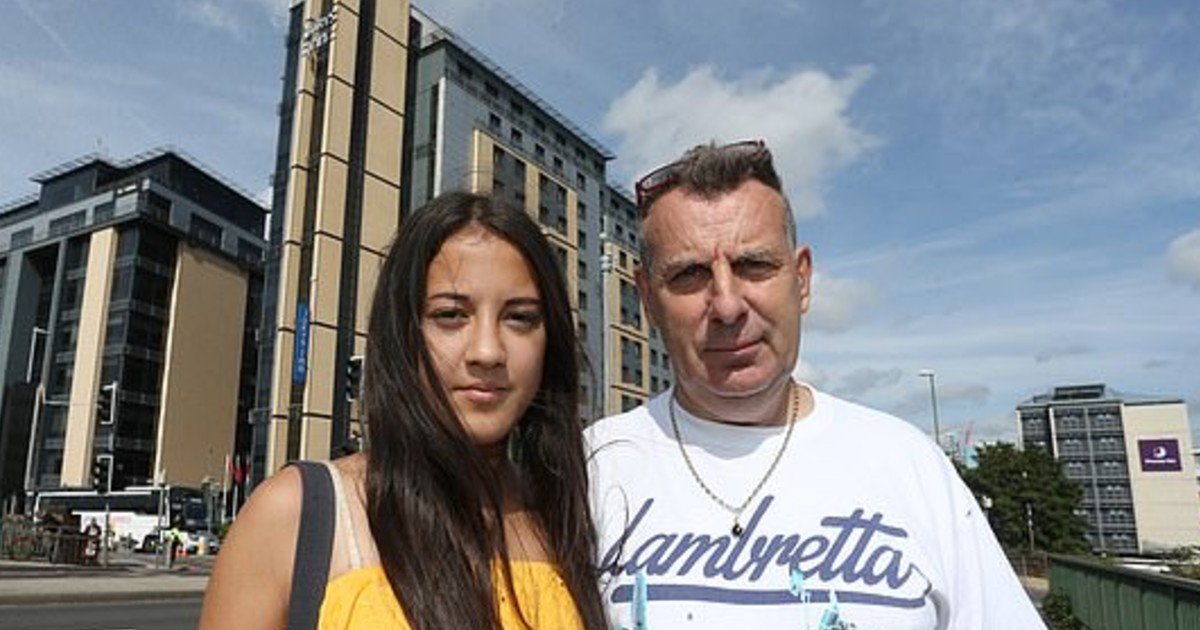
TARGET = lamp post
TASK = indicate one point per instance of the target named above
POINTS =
(39, 401)
(37, 330)
(937, 430)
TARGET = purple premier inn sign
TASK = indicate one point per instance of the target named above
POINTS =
(1160, 455)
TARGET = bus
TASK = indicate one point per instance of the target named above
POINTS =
(136, 514)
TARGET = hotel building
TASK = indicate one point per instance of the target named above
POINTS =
(1132, 458)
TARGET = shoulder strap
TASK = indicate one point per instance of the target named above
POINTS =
(314, 544)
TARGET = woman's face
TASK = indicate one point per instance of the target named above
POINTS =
(484, 327)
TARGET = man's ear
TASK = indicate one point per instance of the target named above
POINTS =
(804, 276)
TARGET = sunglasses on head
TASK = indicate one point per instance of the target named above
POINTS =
(664, 178)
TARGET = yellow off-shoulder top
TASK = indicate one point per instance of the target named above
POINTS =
(362, 599)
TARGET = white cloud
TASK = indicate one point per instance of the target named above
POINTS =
(863, 380)
(918, 400)
(1183, 259)
(277, 11)
(44, 26)
(1057, 352)
(802, 115)
(837, 302)
(808, 373)
(212, 14)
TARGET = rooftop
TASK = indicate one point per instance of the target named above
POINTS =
(440, 33)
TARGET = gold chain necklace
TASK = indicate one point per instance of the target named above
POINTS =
(737, 510)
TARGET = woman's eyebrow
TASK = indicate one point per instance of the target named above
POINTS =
(448, 295)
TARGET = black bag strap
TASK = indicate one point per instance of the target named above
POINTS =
(314, 546)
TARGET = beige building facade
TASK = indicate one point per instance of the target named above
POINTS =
(337, 203)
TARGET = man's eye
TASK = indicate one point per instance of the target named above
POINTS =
(689, 278)
(754, 269)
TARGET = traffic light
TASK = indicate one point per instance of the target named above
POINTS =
(117, 479)
(106, 403)
(102, 473)
(354, 368)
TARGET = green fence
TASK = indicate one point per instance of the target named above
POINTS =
(1106, 597)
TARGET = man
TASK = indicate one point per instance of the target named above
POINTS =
(741, 498)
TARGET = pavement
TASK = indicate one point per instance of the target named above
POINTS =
(129, 577)
(133, 577)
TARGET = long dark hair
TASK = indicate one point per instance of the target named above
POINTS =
(430, 492)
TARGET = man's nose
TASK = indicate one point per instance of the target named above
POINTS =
(728, 304)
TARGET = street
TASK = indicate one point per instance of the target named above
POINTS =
(150, 615)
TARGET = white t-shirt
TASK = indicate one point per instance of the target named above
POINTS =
(864, 524)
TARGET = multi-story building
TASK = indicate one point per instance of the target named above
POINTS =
(371, 126)
(635, 362)
(338, 186)
(137, 280)
(1131, 455)
(477, 128)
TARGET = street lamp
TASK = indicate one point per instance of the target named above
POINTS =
(37, 330)
(937, 430)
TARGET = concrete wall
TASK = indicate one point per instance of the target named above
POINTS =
(198, 408)
(89, 354)
(1166, 505)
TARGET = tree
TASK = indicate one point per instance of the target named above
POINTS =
(1014, 479)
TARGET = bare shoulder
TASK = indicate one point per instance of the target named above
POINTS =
(352, 467)
(251, 581)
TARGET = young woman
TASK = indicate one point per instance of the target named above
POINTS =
(468, 507)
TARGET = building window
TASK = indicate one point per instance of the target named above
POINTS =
(103, 212)
(631, 307)
(582, 300)
(582, 269)
(631, 362)
(582, 208)
(494, 122)
(580, 181)
(581, 236)
(21, 237)
(249, 252)
(552, 204)
(491, 90)
(205, 231)
(516, 136)
(559, 139)
(561, 252)
(69, 223)
(539, 152)
(557, 165)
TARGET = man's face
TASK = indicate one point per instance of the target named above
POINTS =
(726, 290)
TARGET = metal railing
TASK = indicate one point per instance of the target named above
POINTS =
(1106, 597)
(22, 539)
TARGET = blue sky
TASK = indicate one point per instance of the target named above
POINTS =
(1007, 193)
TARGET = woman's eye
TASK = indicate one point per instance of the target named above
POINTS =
(525, 319)
(448, 315)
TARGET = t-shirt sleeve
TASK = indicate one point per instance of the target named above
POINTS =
(984, 592)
